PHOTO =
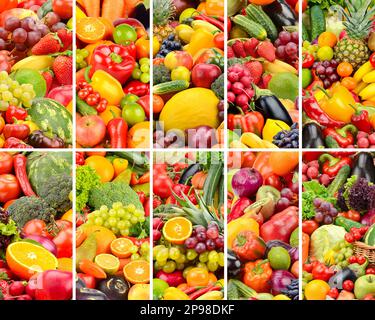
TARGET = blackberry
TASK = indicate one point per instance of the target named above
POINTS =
(292, 290)
(168, 45)
(234, 264)
(4, 216)
(287, 138)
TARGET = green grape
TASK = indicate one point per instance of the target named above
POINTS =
(157, 249)
(135, 256)
(124, 232)
(85, 53)
(202, 265)
(112, 213)
(133, 220)
(143, 61)
(162, 254)
(145, 78)
(145, 246)
(121, 213)
(142, 219)
(103, 208)
(180, 266)
(121, 225)
(221, 261)
(133, 249)
(203, 257)
(181, 259)
(16, 92)
(212, 266)
(112, 221)
(213, 256)
(157, 266)
(127, 216)
(4, 87)
(98, 221)
(3, 75)
(145, 68)
(79, 58)
(191, 254)
(169, 267)
(131, 207)
(104, 215)
(174, 253)
(115, 230)
(117, 205)
(162, 262)
(127, 223)
(107, 225)
(7, 96)
(3, 105)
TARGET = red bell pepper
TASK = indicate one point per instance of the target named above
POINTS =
(144, 102)
(118, 132)
(238, 208)
(19, 131)
(343, 136)
(331, 165)
(250, 122)
(137, 87)
(308, 60)
(80, 158)
(54, 285)
(321, 272)
(14, 112)
(361, 120)
(117, 60)
(16, 143)
(248, 246)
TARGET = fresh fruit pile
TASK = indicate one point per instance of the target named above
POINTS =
(112, 217)
(338, 214)
(113, 74)
(338, 75)
(36, 74)
(36, 226)
(188, 79)
(263, 74)
(188, 229)
(262, 231)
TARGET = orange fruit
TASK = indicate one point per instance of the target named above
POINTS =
(25, 259)
(316, 290)
(197, 277)
(102, 166)
(344, 69)
(349, 83)
(139, 135)
(103, 236)
(327, 39)
(108, 262)
(65, 264)
(90, 30)
(108, 26)
(121, 247)
(177, 230)
(137, 271)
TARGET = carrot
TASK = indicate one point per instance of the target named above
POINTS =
(305, 246)
(111, 9)
(129, 6)
(198, 180)
(92, 8)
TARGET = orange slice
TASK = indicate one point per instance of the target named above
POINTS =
(90, 30)
(137, 271)
(121, 247)
(25, 259)
(108, 262)
(177, 230)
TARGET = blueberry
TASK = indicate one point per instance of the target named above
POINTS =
(171, 37)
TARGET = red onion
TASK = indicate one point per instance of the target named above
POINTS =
(280, 280)
(294, 254)
(44, 241)
(246, 182)
(369, 218)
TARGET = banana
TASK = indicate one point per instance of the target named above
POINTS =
(278, 66)
(237, 145)
(253, 141)
(369, 77)
(34, 63)
(360, 86)
(211, 295)
(368, 92)
(197, 24)
(364, 69)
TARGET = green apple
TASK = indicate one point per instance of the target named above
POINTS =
(364, 285)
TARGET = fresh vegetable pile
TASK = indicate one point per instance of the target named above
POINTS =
(263, 74)
(113, 63)
(338, 243)
(188, 230)
(36, 226)
(338, 75)
(188, 79)
(36, 74)
(112, 238)
(262, 231)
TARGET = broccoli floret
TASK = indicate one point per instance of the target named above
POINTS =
(25, 209)
(218, 86)
(161, 74)
(111, 192)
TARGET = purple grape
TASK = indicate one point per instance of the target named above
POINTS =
(12, 23)
(334, 63)
(58, 26)
(291, 49)
(32, 38)
(28, 24)
(325, 206)
(327, 219)
(285, 37)
(3, 34)
(317, 202)
(51, 18)
(199, 229)
(333, 212)
(212, 233)
(210, 244)
(330, 71)
(280, 52)
(320, 69)
(326, 63)
(287, 193)
(191, 242)
(295, 188)
(219, 242)
(334, 77)
(295, 37)
(201, 236)
(2, 44)
(282, 204)
(326, 83)
(19, 35)
(200, 247)
(319, 216)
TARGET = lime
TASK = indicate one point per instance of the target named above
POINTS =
(279, 258)
(325, 53)
(159, 287)
(306, 77)
(284, 85)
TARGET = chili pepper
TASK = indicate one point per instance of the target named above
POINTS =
(257, 275)
(190, 290)
(117, 60)
(238, 209)
(308, 60)
(312, 136)
(40, 139)
(118, 132)
(141, 196)
(80, 158)
(361, 120)
(249, 122)
(137, 87)
(313, 110)
(331, 165)
(14, 112)
(202, 291)
(19, 131)
(229, 24)
(213, 21)
(145, 178)
(16, 143)
(343, 136)
(19, 163)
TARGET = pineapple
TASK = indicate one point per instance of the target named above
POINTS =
(358, 20)
(164, 10)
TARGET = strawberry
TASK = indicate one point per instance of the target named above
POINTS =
(230, 52)
(266, 78)
(49, 44)
(266, 50)
(250, 47)
(48, 76)
(66, 39)
(238, 49)
(256, 70)
(4, 287)
(63, 69)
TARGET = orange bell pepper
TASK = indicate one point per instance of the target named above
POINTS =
(257, 275)
(215, 7)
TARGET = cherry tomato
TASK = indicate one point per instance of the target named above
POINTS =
(349, 237)
(361, 260)
(92, 99)
(372, 59)
(357, 235)
(353, 215)
(308, 267)
(162, 185)
(63, 239)
(219, 40)
(157, 103)
(333, 293)
(6, 162)
(36, 227)
(64, 8)
(348, 285)
(309, 226)
(352, 259)
(9, 187)
(89, 280)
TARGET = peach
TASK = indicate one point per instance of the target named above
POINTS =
(176, 59)
(139, 292)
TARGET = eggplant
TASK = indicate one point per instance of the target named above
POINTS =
(364, 166)
(312, 136)
(189, 172)
(281, 14)
(115, 288)
(90, 294)
(142, 14)
(337, 280)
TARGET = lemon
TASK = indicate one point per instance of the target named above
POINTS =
(108, 262)
(281, 297)
(325, 53)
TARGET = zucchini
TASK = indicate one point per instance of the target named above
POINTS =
(339, 180)
(305, 33)
(221, 192)
(347, 224)
(212, 181)
(170, 86)
(252, 28)
(258, 15)
(318, 21)
(84, 109)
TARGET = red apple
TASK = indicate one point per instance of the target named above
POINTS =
(90, 131)
(204, 74)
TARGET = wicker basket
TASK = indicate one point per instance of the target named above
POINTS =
(365, 250)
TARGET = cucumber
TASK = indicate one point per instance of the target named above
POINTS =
(252, 28)
(244, 290)
(84, 109)
(339, 180)
(347, 224)
(212, 181)
(305, 33)
(221, 192)
(170, 86)
(318, 21)
(258, 15)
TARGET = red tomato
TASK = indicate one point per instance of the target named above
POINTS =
(309, 226)
(64, 8)
(219, 40)
(162, 185)
(6, 163)
(64, 239)
(9, 187)
(248, 159)
(36, 227)
(89, 281)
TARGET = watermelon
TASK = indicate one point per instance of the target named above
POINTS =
(369, 238)
(51, 116)
(42, 166)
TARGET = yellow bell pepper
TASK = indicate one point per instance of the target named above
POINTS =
(272, 127)
(32, 125)
(184, 32)
(238, 225)
(107, 86)
(338, 104)
(173, 293)
(200, 39)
